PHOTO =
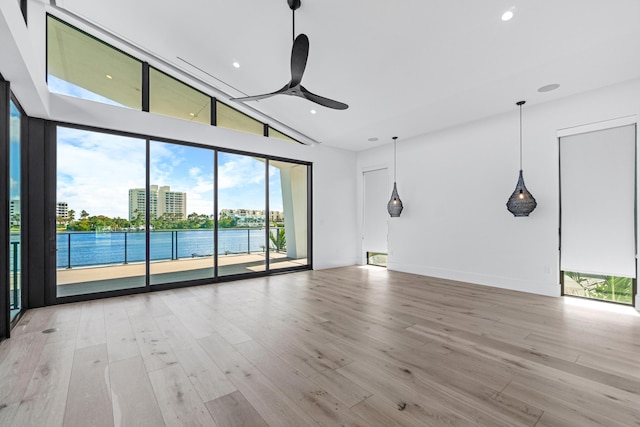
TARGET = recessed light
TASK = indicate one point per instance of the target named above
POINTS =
(507, 15)
(313, 111)
(109, 77)
(549, 88)
(236, 64)
(372, 139)
(192, 114)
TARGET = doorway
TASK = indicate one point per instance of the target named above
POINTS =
(374, 236)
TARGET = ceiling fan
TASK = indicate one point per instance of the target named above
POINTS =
(299, 54)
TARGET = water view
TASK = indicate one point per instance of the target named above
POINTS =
(82, 249)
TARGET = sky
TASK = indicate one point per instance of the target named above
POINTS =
(14, 153)
(96, 171)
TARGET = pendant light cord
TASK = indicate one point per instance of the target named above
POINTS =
(394, 158)
(520, 104)
(520, 136)
(293, 31)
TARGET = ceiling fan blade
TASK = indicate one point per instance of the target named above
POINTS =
(263, 96)
(299, 55)
(329, 103)
(254, 98)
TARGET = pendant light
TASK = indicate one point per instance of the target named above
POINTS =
(395, 204)
(521, 202)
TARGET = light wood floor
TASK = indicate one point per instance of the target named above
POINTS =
(352, 346)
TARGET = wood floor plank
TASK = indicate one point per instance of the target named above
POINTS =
(19, 357)
(413, 404)
(179, 403)
(233, 410)
(44, 401)
(134, 403)
(35, 320)
(320, 405)
(197, 326)
(92, 330)
(121, 340)
(153, 347)
(378, 412)
(207, 379)
(174, 332)
(345, 390)
(264, 396)
(343, 346)
(561, 410)
(89, 396)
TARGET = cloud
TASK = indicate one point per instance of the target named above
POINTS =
(14, 124)
(96, 171)
(236, 171)
(185, 169)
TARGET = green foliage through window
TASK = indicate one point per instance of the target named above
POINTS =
(608, 288)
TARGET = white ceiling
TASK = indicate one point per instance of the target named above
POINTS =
(405, 67)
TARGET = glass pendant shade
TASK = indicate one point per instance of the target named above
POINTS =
(395, 204)
(394, 207)
(521, 202)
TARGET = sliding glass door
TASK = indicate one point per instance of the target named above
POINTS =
(288, 210)
(15, 221)
(133, 212)
(101, 240)
(242, 232)
(181, 220)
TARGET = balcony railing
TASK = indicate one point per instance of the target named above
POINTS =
(14, 303)
(83, 249)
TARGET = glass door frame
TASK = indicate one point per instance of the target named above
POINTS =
(50, 291)
(6, 322)
(5, 312)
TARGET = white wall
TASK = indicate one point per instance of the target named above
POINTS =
(455, 183)
(334, 186)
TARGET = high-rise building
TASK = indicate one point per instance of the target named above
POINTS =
(161, 200)
(14, 212)
(62, 210)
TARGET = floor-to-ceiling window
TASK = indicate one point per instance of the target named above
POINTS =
(182, 216)
(134, 212)
(15, 221)
(242, 231)
(101, 239)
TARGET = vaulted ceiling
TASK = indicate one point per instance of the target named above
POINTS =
(405, 67)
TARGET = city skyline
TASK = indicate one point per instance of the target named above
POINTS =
(96, 171)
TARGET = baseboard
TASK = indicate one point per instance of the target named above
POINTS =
(515, 284)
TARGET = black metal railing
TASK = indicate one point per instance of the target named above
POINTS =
(15, 297)
(83, 249)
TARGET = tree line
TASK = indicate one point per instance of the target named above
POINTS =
(168, 221)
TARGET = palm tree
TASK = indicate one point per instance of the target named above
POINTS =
(279, 240)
